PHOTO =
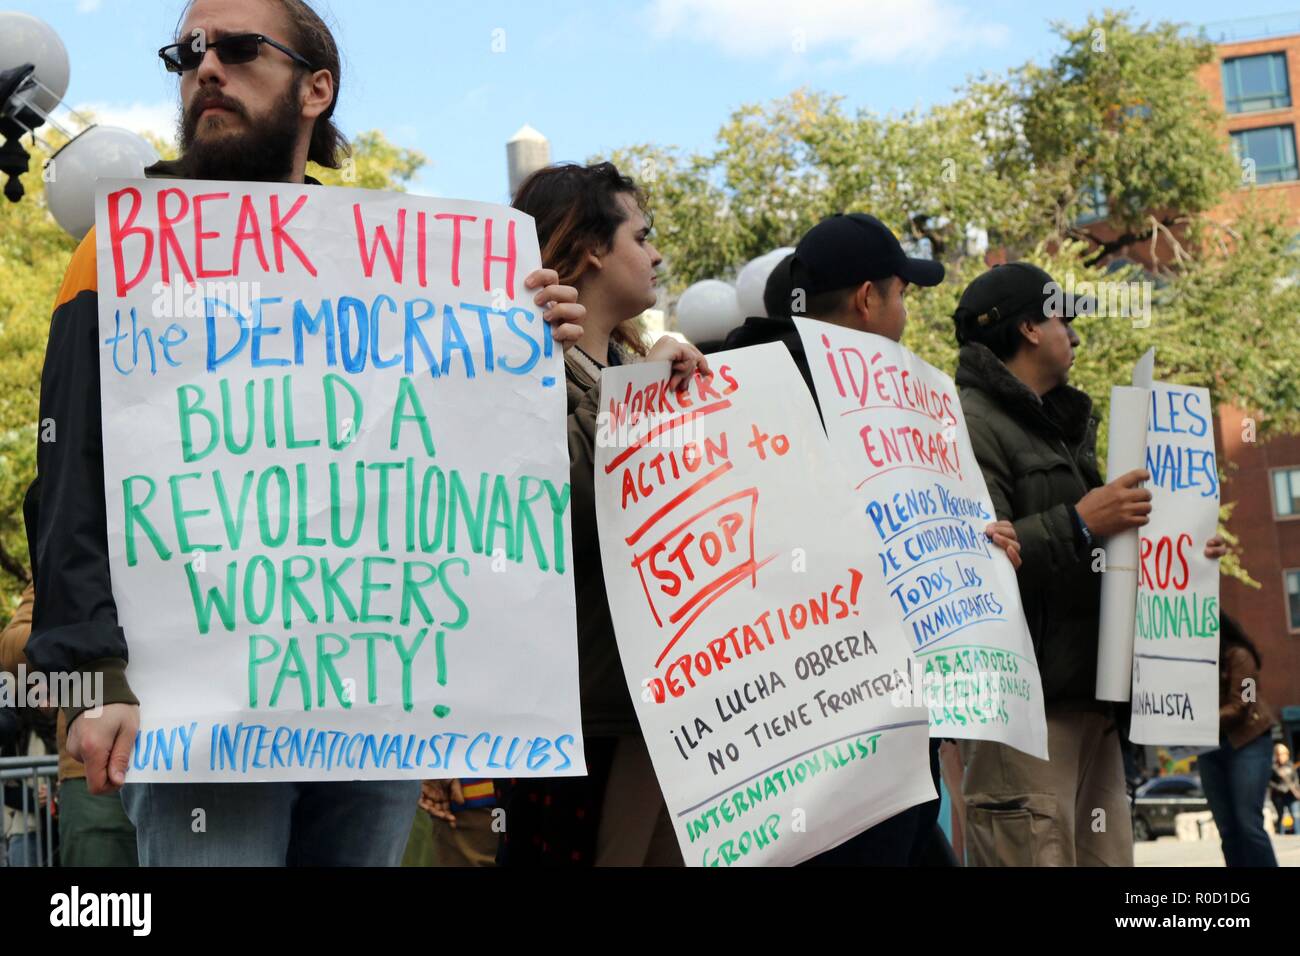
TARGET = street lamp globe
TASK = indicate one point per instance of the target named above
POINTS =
(100, 152)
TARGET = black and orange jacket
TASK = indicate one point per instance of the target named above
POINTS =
(74, 619)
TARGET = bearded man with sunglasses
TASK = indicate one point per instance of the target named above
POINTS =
(259, 81)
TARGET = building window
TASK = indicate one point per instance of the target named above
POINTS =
(1286, 492)
(1272, 151)
(1293, 599)
(1092, 203)
(1256, 83)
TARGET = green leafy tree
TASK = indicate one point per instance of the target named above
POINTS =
(1020, 159)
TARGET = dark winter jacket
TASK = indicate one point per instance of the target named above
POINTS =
(1039, 458)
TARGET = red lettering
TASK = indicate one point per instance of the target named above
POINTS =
(705, 388)
(674, 585)
(117, 233)
(869, 448)
(510, 258)
(678, 554)
(368, 256)
(421, 246)
(830, 362)
(281, 238)
(1144, 552)
(1164, 558)
(1184, 539)
(200, 235)
(248, 229)
(1163, 572)
(629, 488)
(456, 220)
(167, 235)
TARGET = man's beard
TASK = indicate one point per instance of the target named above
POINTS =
(262, 152)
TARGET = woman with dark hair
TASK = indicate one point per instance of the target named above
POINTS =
(1235, 776)
(594, 232)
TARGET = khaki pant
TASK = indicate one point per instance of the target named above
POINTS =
(1070, 810)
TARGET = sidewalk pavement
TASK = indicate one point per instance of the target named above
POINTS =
(1170, 851)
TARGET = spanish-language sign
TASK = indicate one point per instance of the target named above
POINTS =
(896, 423)
(763, 654)
(337, 485)
(1176, 643)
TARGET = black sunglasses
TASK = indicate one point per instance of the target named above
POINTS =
(231, 50)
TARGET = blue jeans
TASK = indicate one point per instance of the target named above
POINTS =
(346, 823)
(1235, 782)
(24, 851)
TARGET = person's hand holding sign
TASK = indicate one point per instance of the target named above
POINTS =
(103, 744)
(1216, 548)
(686, 360)
(563, 312)
(1117, 506)
(1003, 534)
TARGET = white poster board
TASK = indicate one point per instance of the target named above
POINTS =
(1176, 641)
(896, 423)
(337, 485)
(1126, 450)
(762, 652)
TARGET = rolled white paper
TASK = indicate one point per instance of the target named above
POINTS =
(1119, 581)
(1144, 372)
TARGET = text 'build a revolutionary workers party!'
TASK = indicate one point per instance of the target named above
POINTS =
(335, 475)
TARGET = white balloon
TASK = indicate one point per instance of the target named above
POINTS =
(752, 281)
(708, 310)
(100, 152)
(25, 39)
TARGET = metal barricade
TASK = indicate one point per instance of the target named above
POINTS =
(29, 771)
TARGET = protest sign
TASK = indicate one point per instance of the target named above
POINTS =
(1126, 449)
(337, 485)
(763, 655)
(1175, 698)
(897, 425)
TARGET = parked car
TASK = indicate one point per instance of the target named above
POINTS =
(1159, 800)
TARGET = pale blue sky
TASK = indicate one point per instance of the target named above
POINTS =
(593, 75)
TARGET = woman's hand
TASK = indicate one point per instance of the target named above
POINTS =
(686, 360)
(1003, 534)
(563, 312)
(1216, 548)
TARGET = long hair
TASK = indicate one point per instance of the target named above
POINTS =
(577, 213)
(314, 42)
(1230, 633)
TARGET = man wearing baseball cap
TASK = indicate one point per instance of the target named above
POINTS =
(851, 270)
(1035, 439)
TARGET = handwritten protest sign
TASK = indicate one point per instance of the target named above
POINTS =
(763, 654)
(336, 485)
(1176, 643)
(897, 425)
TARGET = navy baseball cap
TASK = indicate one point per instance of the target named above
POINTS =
(848, 249)
(1012, 290)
